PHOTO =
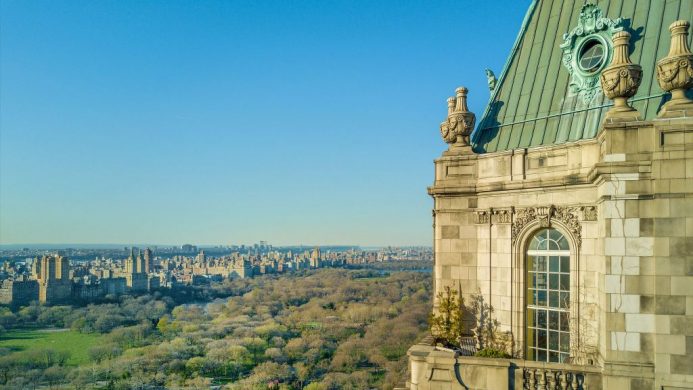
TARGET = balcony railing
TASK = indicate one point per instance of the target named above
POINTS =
(434, 368)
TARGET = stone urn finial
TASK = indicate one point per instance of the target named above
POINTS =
(459, 124)
(621, 79)
(675, 71)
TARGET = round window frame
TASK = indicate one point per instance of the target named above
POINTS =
(580, 47)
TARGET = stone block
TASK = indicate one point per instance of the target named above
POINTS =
(450, 231)
(613, 284)
(681, 207)
(616, 321)
(682, 285)
(640, 323)
(641, 246)
(625, 341)
(647, 342)
(614, 246)
(616, 227)
(673, 344)
(625, 303)
(647, 304)
(646, 227)
(682, 365)
(641, 384)
(647, 265)
(663, 324)
(631, 227)
(680, 324)
(669, 227)
(670, 304)
(643, 285)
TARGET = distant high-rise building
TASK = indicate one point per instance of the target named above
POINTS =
(147, 260)
(315, 258)
(53, 276)
(135, 277)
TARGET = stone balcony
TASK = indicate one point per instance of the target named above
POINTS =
(433, 368)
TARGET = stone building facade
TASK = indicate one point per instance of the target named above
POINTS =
(18, 292)
(569, 208)
(53, 276)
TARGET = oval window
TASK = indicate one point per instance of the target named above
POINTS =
(592, 56)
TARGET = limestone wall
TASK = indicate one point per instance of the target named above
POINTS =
(625, 201)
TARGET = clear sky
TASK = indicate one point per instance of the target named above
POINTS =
(219, 122)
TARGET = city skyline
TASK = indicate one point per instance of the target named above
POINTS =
(196, 122)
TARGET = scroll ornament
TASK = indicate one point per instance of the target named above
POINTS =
(569, 216)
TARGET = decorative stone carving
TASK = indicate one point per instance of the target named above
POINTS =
(502, 216)
(491, 79)
(675, 71)
(460, 122)
(621, 79)
(589, 213)
(482, 217)
(568, 216)
(591, 27)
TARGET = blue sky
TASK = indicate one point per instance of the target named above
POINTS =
(218, 122)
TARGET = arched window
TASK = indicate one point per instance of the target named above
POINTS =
(548, 297)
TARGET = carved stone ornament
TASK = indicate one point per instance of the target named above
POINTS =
(459, 124)
(502, 216)
(569, 216)
(482, 217)
(621, 79)
(675, 71)
(592, 28)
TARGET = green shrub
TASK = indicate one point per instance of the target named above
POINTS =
(492, 353)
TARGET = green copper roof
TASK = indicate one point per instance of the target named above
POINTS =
(538, 101)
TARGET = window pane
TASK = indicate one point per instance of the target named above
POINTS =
(541, 318)
(543, 245)
(553, 299)
(563, 357)
(540, 281)
(541, 338)
(565, 301)
(534, 243)
(554, 234)
(553, 264)
(565, 282)
(553, 340)
(565, 324)
(553, 281)
(553, 357)
(541, 355)
(565, 342)
(563, 244)
(541, 298)
(553, 319)
(537, 263)
(565, 264)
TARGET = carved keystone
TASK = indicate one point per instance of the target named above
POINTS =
(459, 124)
(675, 71)
(621, 79)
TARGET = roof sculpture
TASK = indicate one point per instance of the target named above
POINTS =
(549, 91)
